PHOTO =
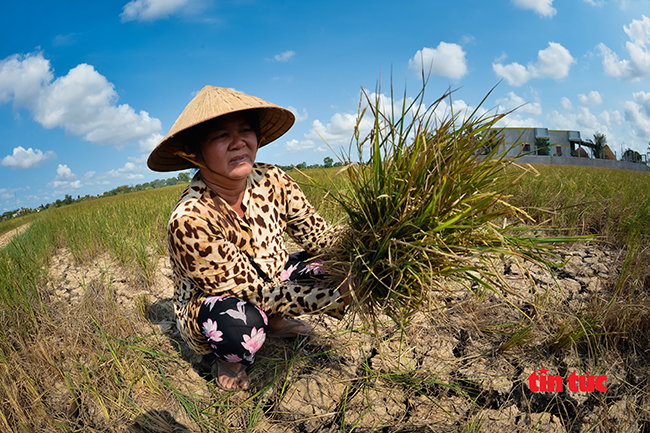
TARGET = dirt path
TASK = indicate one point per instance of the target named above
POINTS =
(5, 238)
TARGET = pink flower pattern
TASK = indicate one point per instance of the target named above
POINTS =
(238, 313)
(233, 357)
(211, 300)
(316, 267)
(211, 331)
(286, 273)
(263, 314)
(253, 342)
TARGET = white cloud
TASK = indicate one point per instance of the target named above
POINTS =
(287, 78)
(82, 102)
(467, 39)
(593, 98)
(553, 62)
(638, 66)
(299, 117)
(611, 118)
(128, 172)
(583, 120)
(150, 10)
(565, 103)
(297, 146)
(514, 120)
(64, 179)
(339, 131)
(643, 99)
(598, 3)
(637, 112)
(138, 160)
(9, 194)
(22, 78)
(447, 60)
(542, 7)
(284, 56)
(29, 158)
(639, 30)
(514, 73)
(149, 143)
(516, 102)
(63, 40)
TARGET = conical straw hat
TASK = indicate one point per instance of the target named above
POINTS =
(212, 102)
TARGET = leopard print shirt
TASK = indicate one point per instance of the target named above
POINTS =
(211, 248)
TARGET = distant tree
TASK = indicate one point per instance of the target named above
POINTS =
(631, 156)
(301, 166)
(542, 146)
(328, 162)
(597, 145)
(184, 177)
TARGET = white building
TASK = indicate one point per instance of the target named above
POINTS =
(544, 146)
(525, 141)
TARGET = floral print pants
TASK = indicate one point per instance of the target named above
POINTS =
(236, 329)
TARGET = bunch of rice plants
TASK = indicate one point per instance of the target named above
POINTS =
(428, 207)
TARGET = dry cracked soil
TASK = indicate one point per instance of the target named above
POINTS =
(446, 370)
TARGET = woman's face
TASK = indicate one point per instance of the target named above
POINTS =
(229, 150)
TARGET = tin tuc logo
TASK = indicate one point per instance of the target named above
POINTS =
(541, 381)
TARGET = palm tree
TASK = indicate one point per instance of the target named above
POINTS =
(598, 144)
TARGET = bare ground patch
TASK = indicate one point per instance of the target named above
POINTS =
(462, 366)
(5, 238)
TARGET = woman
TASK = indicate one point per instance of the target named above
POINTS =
(234, 280)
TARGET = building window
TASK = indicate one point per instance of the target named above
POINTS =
(526, 147)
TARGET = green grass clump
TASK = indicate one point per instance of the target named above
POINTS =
(612, 204)
(14, 223)
(429, 201)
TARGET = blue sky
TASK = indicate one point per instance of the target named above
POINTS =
(88, 88)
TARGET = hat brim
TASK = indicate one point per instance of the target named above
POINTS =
(209, 104)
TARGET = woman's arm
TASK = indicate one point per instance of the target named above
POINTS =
(215, 265)
(304, 225)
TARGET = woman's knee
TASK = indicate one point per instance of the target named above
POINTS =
(235, 328)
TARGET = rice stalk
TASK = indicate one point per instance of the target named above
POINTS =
(428, 207)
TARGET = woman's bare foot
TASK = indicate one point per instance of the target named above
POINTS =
(232, 376)
(283, 327)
